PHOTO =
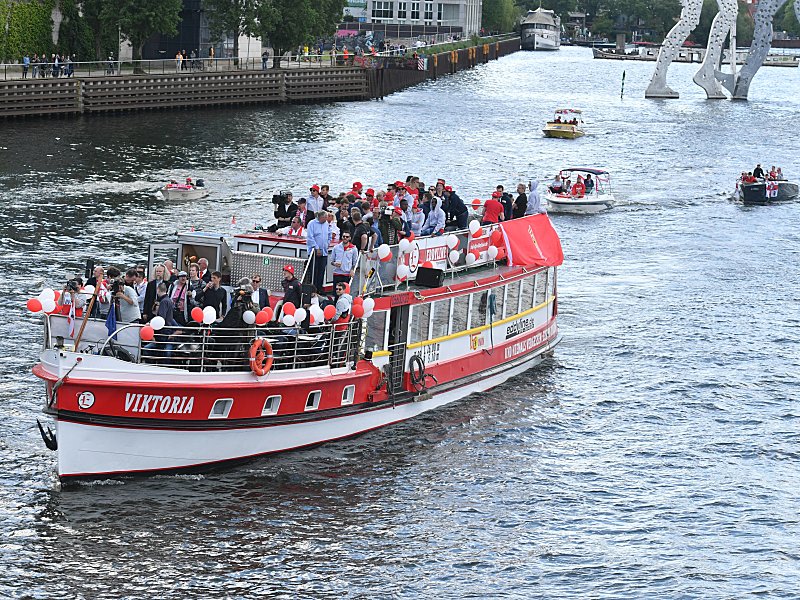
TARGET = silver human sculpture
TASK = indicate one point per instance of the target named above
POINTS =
(739, 86)
(723, 23)
(690, 17)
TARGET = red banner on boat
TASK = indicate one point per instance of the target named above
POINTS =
(532, 241)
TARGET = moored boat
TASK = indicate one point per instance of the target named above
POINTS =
(567, 123)
(764, 191)
(185, 191)
(584, 195)
(540, 29)
(438, 318)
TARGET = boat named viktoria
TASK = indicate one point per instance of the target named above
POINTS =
(540, 29)
(432, 319)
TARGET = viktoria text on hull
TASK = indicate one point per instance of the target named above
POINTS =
(414, 325)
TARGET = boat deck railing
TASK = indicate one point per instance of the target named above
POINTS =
(202, 349)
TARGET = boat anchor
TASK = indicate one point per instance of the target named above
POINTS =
(48, 436)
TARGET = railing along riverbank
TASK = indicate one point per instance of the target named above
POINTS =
(83, 89)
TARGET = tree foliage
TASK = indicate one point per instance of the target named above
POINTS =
(138, 20)
(560, 7)
(744, 24)
(786, 20)
(234, 17)
(499, 16)
(25, 28)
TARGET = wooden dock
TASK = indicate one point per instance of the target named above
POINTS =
(94, 95)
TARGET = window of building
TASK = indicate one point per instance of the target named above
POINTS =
(450, 13)
(382, 10)
(312, 403)
(376, 331)
(271, 406)
(221, 408)
(415, 11)
(460, 313)
(420, 318)
(429, 11)
(441, 318)
(439, 12)
(348, 394)
(512, 299)
(402, 10)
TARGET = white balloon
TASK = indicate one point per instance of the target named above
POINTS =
(404, 246)
(369, 304)
(300, 315)
(470, 258)
(47, 294)
(402, 273)
(249, 317)
(157, 323)
(209, 315)
(288, 320)
(454, 254)
(452, 241)
(367, 313)
(48, 305)
(89, 289)
(384, 251)
(491, 252)
(474, 227)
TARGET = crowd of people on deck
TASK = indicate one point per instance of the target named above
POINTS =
(758, 174)
(362, 219)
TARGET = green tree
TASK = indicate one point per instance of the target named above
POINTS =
(499, 15)
(74, 35)
(786, 20)
(287, 24)
(560, 7)
(141, 19)
(234, 17)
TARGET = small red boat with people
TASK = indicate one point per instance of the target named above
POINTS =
(419, 324)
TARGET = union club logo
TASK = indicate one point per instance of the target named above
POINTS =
(86, 400)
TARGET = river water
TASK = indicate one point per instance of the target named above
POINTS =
(655, 456)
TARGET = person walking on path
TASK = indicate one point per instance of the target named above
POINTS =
(26, 63)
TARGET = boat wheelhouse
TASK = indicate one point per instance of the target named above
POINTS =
(567, 123)
(540, 29)
(440, 318)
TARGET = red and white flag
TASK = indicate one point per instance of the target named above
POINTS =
(71, 320)
(772, 189)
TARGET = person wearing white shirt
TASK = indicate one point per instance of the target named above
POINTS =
(333, 227)
(314, 202)
(296, 229)
(344, 258)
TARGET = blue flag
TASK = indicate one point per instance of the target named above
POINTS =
(111, 320)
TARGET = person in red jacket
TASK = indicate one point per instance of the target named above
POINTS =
(493, 210)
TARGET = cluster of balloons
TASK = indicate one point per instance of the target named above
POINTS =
(45, 302)
(148, 331)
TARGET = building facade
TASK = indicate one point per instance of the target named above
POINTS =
(465, 14)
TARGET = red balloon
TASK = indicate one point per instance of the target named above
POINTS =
(477, 202)
(289, 308)
(34, 305)
(262, 317)
(147, 333)
(427, 264)
(57, 295)
(476, 254)
(387, 258)
(197, 314)
(329, 312)
(358, 310)
(501, 254)
(268, 312)
(411, 237)
(496, 238)
(346, 288)
(358, 300)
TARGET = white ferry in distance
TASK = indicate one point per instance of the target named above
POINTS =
(433, 319)
(540, 29)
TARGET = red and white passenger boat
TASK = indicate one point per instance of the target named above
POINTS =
(475, 308)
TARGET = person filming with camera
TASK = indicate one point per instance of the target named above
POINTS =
(126, 301)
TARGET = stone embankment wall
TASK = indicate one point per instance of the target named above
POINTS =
(47, 97)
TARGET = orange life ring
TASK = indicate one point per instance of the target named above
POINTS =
(260, 356)
(578, 189)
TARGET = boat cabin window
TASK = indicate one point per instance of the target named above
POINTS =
(498, 302)
(420, 319)
(348, 394)
(480, 303)
(248, 247)
(191, 253)
(441, 318)
(460, 313)
(274, 250)
(271, 406)
(376, 331)
(221, 408)
(312, 403)
(541, 288)
(551, 285)
(512, 299)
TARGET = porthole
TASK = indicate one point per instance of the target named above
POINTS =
(348, 395)
(221, 408)
(271, 406)
(312, 403)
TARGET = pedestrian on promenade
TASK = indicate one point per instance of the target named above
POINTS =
(264, 59)
(26, 62)
(211, 53)
(178, 61)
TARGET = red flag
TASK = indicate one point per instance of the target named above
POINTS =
(532, 241)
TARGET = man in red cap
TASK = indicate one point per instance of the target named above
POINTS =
(313, 203)
(493, 211)
(292, 292)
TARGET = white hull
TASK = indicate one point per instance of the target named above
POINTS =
(578, 206)
(178, 194)
(93, 450)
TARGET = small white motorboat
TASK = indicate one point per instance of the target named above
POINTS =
(583, 191)
(185, 191)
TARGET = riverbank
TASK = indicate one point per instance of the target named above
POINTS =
(363, 78)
